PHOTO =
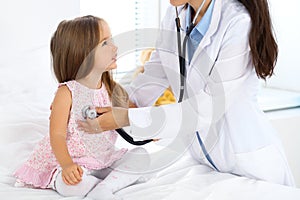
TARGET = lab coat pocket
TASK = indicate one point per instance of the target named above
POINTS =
(266, 164)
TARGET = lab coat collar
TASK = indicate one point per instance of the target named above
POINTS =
(211, 30)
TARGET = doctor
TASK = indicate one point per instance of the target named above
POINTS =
(230, 46)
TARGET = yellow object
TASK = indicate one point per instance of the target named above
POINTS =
(167, 97)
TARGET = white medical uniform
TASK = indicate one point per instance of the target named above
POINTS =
(220, 98)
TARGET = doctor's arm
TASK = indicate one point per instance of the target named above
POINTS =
(229, 80)
(149, 85)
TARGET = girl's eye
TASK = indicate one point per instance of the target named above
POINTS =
(104, 43)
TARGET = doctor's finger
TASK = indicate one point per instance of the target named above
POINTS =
(83, 126)
(89, 126)
(101, 110)
(93, 125)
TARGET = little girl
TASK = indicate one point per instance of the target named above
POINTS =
(69, 160)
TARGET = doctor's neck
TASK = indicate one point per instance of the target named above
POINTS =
(195, 4)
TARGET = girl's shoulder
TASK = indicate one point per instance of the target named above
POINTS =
(63, 91)
(71, 85)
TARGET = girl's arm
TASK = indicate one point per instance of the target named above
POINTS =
(58, 134)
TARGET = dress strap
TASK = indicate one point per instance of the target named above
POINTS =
(70, 84)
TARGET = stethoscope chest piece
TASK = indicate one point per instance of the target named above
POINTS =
(87, 112)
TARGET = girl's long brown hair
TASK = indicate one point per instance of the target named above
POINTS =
(263, 46)
(72, 49)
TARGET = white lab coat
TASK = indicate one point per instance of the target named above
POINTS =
(220, 99)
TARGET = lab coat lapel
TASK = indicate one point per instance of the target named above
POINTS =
(207, 38)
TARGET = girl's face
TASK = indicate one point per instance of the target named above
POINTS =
(106, 51)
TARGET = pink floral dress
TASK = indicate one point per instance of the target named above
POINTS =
(92, 151)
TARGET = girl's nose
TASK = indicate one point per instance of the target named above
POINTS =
(115, 48)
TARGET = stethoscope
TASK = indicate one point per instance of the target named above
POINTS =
(91, 113)
(182, 67)
(182, 54)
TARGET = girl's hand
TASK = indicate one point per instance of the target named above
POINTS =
(72, 174)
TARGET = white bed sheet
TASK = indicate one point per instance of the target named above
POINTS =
(24, 114)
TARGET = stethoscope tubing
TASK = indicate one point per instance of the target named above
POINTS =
(182, 68)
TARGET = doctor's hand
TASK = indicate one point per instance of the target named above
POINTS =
(110, 118)
(89, 126)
